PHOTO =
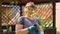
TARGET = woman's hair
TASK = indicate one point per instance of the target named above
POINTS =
(30, 4)
(30, 7)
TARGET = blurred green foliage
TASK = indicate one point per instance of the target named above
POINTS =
(47, 24)
(57, 32)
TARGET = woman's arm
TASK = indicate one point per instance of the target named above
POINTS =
(39, 26)
(41, 30)
(19, 29)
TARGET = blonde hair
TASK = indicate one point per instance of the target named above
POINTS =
(30, 6)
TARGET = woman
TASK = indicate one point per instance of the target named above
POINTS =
(28, 25)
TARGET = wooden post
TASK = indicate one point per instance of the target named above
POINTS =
(0, 19)
(21, 10)
(54, 13)
(54, 16)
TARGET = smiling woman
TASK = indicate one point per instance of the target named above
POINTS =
(31, 25)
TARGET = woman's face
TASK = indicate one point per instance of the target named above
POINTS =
(28, 11)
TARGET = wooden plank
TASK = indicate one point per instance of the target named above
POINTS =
(0, 19)
(23, 2)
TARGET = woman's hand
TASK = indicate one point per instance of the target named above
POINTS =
(41, 30)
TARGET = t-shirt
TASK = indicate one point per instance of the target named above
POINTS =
(26, 22)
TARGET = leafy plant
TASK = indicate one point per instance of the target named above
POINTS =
(47, 24)
(41, 22)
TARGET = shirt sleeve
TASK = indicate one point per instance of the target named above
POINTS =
(19, 21)
(36, 21)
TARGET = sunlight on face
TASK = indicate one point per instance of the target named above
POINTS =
(28, 11)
